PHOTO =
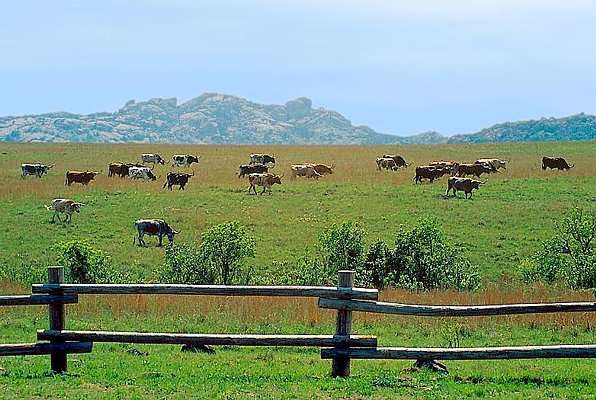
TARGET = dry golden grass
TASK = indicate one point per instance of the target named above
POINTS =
(218, 165)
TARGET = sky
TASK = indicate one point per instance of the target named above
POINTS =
(399, 66)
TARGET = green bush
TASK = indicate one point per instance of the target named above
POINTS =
(183, 264)
(569, 256)
(341, 248)
(305, 270)
(421, 260)
(85, 264)
(224, 249)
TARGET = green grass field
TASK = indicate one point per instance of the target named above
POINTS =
(503, 223)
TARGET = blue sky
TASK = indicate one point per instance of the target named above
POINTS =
(400, 67)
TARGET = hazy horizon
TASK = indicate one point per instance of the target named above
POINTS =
(398, 67)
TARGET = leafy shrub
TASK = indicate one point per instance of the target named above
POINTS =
(183, 264)
(569, 256)
(224, 249)
(85, 264)
(421, 260)
(305, 270)
(341, 248)
(375, 268)
(24, 269)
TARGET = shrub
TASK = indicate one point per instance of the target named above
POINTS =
(224, 249)
(183, 264)
(85, 264)
(421, 260)
(341, 248)
(568, 256)
(305, 270)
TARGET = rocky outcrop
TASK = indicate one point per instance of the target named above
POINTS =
(220, 118)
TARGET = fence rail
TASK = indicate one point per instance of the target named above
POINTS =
(454, 311)
(37, 299)
(210, 339)
(211, 290)
(462, 353)
(36, 349)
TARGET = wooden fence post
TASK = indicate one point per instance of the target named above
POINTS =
(343, 326)
(56, 314)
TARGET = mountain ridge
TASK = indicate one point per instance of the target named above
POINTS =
(214, 118)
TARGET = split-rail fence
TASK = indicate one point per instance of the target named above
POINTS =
(340, 347)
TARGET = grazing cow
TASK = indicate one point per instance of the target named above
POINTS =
(322, 168)
(387, 163)
(431, 173)
(266, 180)
(141, 173)
(262, 159)
(306, 170)
(252, 169)
(176, 178)
(464, 184)
(152, 158)
(555, 162)
(80, 177)
(473, 169)
(186, 160)
(121, 169)
(64, 206)
(399, 160)
(35, 169)
(153, 227)
(494, 163)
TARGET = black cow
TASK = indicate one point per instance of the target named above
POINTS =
(35, 169)
(176, 178)
(555, 162)
(153, 227)
(466, 185)
(244, 169)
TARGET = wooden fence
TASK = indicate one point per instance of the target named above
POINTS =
(340, 347)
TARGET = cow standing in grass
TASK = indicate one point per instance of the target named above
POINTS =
(153, 227)
(466, 185)
(306, 170)
(266, 180)
(64, 206)
(34, 169)
(80, 177)
(153, 158)
(555, 162)
(177, 178)
(185, 160)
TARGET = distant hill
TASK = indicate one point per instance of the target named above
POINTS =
(220, 118)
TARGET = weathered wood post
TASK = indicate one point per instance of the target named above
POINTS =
(56, 314)
(343, 325)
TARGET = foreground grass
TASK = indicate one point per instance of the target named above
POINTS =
(243, 372)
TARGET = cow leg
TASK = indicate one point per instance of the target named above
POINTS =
(160, 239)
(141, 241)
(54, 216)
(263, 191)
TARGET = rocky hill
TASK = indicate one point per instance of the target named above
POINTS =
(209, 118)
(219, 118)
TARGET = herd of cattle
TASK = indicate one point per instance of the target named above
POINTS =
(259, 174)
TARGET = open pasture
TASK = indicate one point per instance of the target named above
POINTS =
(503, 223)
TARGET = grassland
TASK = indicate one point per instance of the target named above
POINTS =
(505, 222)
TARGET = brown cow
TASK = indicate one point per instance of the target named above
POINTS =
(266, 180)
(121, 169)
(429, 172)
(399, 160)
(555, 162)
(473, 169)
(306, 170)
(80, 177)
(322, 169)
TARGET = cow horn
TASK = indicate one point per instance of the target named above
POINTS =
(482, 183)
(193, 173)
(81, 204)
(282, 175)
(332, 166)
(176, 232)
(572, 165)
(51, 165)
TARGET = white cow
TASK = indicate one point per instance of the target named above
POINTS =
(64, 206)
(184, 159)
(152, 158)
(141, 173)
